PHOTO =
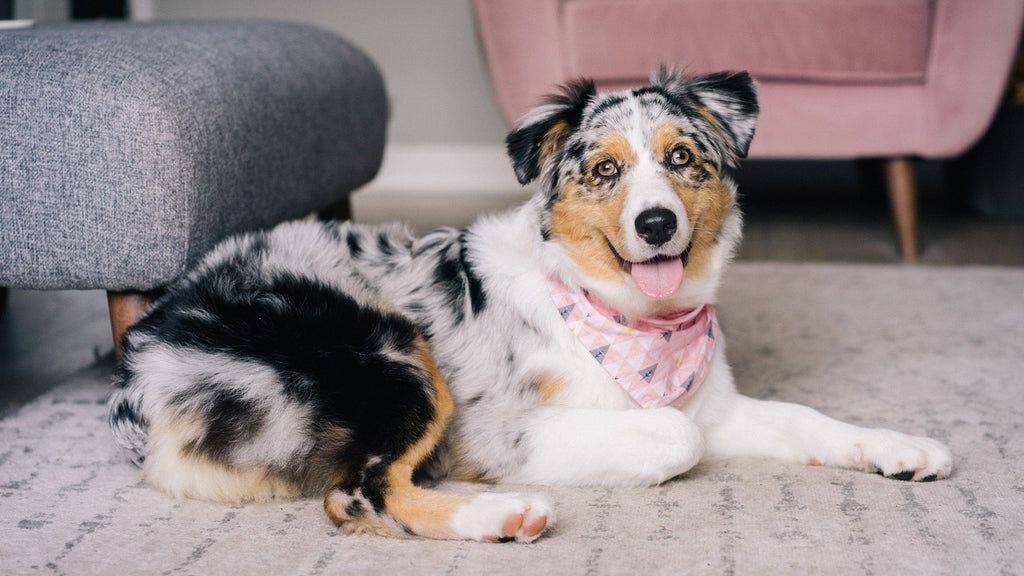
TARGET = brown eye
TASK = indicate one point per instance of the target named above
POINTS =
(606, 169)
(679, 156)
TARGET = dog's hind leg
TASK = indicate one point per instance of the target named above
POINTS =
(380, 496)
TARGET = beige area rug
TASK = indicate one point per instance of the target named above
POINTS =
(935, 351)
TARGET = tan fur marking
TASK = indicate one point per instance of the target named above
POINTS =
(707, 203)
(707, 207)
(613, 147)
(548, 387)
(552, 142)
(585, 225)
(667, 137)
(426, 512)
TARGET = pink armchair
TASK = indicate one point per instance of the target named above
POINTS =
(891, 79)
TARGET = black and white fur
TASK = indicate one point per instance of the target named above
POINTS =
(340, 359)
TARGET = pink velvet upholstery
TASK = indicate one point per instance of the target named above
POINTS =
(838, 78)
(792, 40)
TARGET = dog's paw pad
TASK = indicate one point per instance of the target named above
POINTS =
(512, 525)
(913, 476)
(532, 527)
(904, 475)
(503, 518)
(520, 528)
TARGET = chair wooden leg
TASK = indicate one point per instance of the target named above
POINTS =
(126, 308)
(900, 178)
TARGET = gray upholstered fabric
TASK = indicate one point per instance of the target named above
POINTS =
(127, 150)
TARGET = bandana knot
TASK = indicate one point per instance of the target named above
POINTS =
(658, 361)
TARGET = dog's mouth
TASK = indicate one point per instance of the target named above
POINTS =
(658, 278)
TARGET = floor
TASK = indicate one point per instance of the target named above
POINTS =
(45, 336)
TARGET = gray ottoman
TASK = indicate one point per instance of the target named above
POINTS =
(127, 150)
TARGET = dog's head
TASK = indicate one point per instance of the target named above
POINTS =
(633, 184)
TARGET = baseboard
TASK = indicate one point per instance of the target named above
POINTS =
(438, 185)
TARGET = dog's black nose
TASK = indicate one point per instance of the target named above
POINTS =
(656, 225)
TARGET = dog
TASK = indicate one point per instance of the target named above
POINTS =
(569, 341)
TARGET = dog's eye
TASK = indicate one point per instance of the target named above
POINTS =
(606, 169)
(679, 156)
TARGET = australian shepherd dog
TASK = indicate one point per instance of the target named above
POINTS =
(569, 341)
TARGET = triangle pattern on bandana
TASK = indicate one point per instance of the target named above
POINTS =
(659, 361)
(648, 373)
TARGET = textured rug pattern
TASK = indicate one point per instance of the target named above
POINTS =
(927, 351)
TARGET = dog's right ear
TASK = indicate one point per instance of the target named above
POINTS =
(541, 133)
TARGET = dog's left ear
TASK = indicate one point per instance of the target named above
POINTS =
(541, 133)
(730, 98)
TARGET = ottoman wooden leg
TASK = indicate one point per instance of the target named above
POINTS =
(126, 308)
(341, 210)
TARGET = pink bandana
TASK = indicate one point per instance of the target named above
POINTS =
(659, 362)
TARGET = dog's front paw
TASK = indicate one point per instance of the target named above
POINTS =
(903, 457)
(503, 518)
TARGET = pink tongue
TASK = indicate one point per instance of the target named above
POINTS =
(658, 280)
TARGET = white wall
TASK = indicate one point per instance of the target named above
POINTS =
(41, 10)
(427, 50)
